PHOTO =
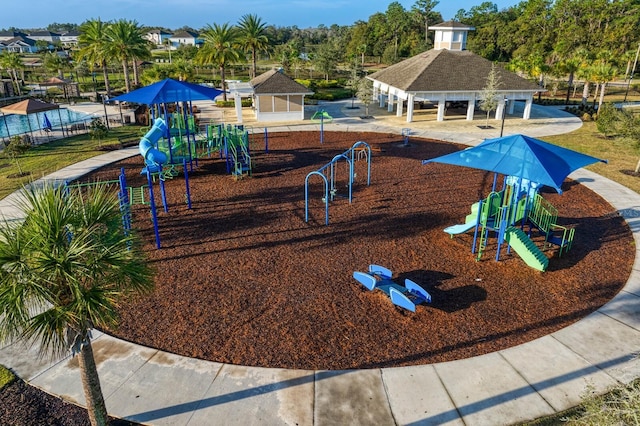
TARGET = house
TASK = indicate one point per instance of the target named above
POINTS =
(48, 36)
(448, 74)
(70, 38)
(184, 37)
(8, 35)
(20, 44)
(278, 97)
(157, 37)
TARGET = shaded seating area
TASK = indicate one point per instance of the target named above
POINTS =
(380, 278)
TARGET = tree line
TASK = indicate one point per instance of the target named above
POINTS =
(595, 41)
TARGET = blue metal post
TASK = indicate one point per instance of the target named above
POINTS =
(186, 182)
(163, 193)
(152, 205)
(266, 141)
(322, 127)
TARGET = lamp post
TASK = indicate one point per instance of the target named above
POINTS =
(504, 114)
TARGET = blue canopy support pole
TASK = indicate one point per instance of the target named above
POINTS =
(495, 182)
(326, 196)
(163, 193)
(167, 132)
(152, 206)
(186, 183)
(321, 128)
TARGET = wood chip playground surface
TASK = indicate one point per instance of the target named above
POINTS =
(241, 278)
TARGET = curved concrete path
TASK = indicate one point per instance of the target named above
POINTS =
(535, 379)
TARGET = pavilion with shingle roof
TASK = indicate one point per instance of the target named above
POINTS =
(448, 74)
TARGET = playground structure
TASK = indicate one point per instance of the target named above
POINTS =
(509, 213)
(380, 278)
(328, 174)
(154, 161)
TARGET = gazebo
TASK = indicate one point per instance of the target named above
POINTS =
(448, 73)
(28, 107)
(276, 96)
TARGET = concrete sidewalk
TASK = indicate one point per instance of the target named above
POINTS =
(521, 383)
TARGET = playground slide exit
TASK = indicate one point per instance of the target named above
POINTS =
(153, 158)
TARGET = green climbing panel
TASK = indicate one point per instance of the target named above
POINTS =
(526, 249)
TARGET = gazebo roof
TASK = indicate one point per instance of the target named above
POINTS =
(28, 106)
(274, 82)
(448, 71)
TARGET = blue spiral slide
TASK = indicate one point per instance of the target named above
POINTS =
(153, 158)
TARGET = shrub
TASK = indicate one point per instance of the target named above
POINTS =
(6, 377)
(586, 117)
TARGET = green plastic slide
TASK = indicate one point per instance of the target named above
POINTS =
(526, 249)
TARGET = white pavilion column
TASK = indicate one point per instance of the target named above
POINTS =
(238, 104)
(410, 108)
(471, 109)
(399, 108)
(441, 106)
(381, 99)
(390, 102)
(527, 109)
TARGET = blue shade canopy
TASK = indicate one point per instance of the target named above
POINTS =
(523, 157)
(168, 91)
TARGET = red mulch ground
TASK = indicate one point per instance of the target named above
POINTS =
(242, 279)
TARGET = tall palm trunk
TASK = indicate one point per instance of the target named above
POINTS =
(224, 84)
(136, 73)
(585, 92)
(105, 74)
(91, 386)
(125, 70)
(255, 61)
(601, 101)
(17, 82)
(569, 87)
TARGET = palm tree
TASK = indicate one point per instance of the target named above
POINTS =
(92, 43)
(12, 62)
(220, 48)
(182, 69)
(63, 272)
(602, 74)
(126, 43)
(253, 38)
(55, 63)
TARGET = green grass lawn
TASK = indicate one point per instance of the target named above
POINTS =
(622, 156)
(47, 158)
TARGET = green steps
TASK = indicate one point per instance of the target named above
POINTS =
(526, 249)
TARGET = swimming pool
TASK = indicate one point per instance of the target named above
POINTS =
(16, 124)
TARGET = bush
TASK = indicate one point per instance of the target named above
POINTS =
(586, 117)
(246, 102)
(6, 377)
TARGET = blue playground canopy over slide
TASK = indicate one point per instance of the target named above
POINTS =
(523, 157)
(169, 91)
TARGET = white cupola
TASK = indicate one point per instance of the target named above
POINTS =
(450, 35)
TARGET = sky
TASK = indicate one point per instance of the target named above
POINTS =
(173, 14)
